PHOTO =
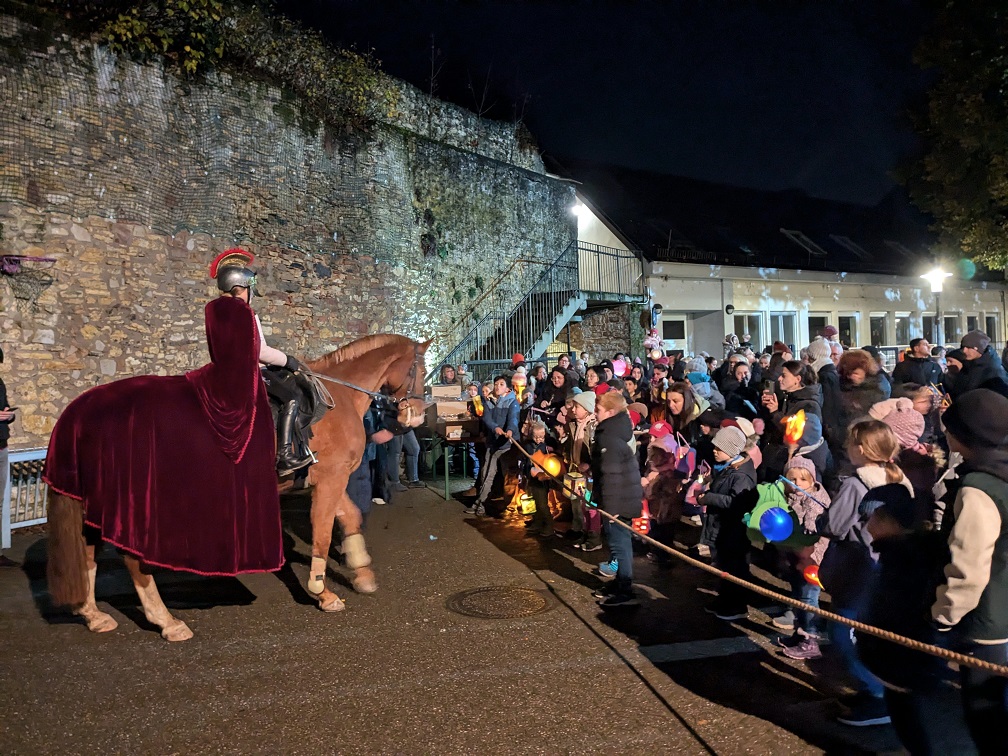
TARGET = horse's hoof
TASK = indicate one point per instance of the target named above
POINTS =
(177, 631)
(334, 604)
(365, 584)
(100, 622)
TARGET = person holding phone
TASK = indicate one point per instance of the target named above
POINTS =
(6, 418)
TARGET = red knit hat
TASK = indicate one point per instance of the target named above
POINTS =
(517, 357)
(659, 429)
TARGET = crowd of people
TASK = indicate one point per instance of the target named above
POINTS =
(898, 484)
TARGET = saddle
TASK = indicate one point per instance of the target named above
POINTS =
(281, 383)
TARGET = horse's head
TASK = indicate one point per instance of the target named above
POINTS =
(404, 384)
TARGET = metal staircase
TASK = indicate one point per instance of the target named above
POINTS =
(583, 276)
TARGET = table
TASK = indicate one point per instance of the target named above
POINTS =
(440, 440)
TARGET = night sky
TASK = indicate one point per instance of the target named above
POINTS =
(769, 94)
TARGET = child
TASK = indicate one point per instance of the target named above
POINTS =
(662, 488)
(577, 436)
(732, 493)
(849, 563)
(617, 490)
(808, 499)
(538, 483)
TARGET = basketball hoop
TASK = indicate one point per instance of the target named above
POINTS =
(27, 278)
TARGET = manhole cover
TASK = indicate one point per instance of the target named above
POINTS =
(500, 602)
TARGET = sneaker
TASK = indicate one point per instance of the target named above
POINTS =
(727, 613)
(378, 502)
(791, 640)
(619, 600)
(700, 551)
(475, 509)
(605, 591)
(608, 569)
(785, 621)
(589, 546)
(868, 712)
(416, 484)
(808, 648)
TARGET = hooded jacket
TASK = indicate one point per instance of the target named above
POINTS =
(504, 415)
(732, 493)
(616, 477)
(849, 561)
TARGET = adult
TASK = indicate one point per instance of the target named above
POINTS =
(740, 393)
(885, 380)
(798, 391)
(7, 416)
(684, 408)
(836, 352)
(235, 279)
(970, 604)
(982, 368)
(860, 388)
(449, 377)
(554, 393)
(820, 360)
(500, 421)
(918, 366)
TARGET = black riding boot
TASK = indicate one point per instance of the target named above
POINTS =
(287, 458)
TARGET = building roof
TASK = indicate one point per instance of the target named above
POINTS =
(677, 219)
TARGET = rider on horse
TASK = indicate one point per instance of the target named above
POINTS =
(236, 279)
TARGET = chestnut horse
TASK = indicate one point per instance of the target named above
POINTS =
(384, 364)
(387, 363)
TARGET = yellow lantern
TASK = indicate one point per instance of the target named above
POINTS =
(794, 427)
(553, 465)
(574, 484)
(527, 504)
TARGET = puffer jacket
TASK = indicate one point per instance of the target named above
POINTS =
(976, 373)
(732, 493)
(921, 370)
(616, 477)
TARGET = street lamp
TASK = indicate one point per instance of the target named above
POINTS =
(936, 277)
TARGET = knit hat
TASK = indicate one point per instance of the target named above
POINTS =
(812, 433)
(894, 500)
(586, 399)
(976, 339)
(635, 417)
(978, 418)
(637, 361)
(660, 429)
(517, 357)
(830, 332)
(696, 365)
(803, 463)
(780, 346)
(957, 354)
(640, 408)
(730, 440)
(819, 349)
(710, 417)
(900, 415)
(538, 365)
(697, 378)
(602, 388)
(573, 392)
(741, 423)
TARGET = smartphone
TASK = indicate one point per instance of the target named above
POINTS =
(13, 409)
(766, 386)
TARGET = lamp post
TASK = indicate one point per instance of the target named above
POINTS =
(936, 277)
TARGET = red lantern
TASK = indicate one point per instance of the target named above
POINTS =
(811, 574)
(642, 524)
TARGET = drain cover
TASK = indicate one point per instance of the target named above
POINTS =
(500, 602)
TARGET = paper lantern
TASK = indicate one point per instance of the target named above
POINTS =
(574, 484)
(619, 368)
(811, 575)
(478, 405)
(550, 463)
(655, 354)
(794, 427)
(527, 504)
(776, 524)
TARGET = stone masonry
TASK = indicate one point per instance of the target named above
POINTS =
(132, 180)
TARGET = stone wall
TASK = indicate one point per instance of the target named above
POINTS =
(602, 334)
(132, 180)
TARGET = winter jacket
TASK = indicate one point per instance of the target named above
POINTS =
(503, 414)
(708, 392)
(832, 404)
(691, 429)
(731, 495)
(808, 398)
(849, 561)
(616, 478)
(902, 590)
(922, 370)
(736, 398)
(984, 369)
(855, 401)
(974, 593)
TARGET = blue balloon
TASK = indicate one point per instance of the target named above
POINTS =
(776, 525)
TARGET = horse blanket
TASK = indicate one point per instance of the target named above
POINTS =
(179, 470)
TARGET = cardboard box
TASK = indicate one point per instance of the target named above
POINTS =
(446, 392)
(453, 432)
(451, 409)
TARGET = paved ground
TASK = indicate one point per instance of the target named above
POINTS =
(398, 672)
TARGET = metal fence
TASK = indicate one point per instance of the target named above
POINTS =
(26, 496)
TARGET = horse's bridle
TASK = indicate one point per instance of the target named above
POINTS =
(380, 397)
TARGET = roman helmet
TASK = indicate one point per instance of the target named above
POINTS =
(230, 268)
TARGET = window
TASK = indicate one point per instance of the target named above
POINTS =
(850, 246)
(972, 322)
(847, 326)
(804, 242)
(817, 321)
(674, 330)
(782, 328)
(751, 323)
(991, 329)
(953, 330)
(930, 328)
(902, 329)
(878, 328)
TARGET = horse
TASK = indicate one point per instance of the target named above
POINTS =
(386, 365)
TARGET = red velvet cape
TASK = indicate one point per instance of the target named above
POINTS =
(179, 470)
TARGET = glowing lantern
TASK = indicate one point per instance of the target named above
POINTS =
(642, 524)
(478, 405)
(518, 383)
(527, 504)
(574, 484)
(550, 463)
(655, 354)
(619, 368)
(794, 427)
(811, 575)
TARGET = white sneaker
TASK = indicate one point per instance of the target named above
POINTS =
(378, 502)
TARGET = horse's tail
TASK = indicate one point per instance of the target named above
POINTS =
(66, 568)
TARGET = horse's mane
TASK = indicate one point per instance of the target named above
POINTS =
(361, 346)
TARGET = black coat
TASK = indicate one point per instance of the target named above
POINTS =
(985, 369)
(616, 476)
(732, 493)
(832, 406)
(857, 400)
(922, 370)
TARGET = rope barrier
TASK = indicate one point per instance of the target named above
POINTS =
(910, 643)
